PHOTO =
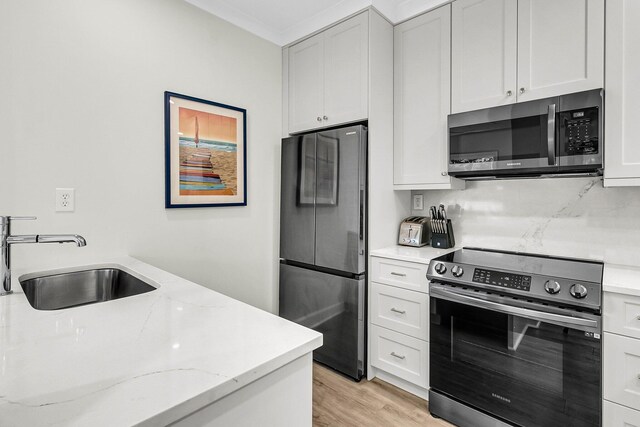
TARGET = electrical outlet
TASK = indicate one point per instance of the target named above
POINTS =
(65, 200)
(418, 202)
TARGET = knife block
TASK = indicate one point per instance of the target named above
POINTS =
(443, 240)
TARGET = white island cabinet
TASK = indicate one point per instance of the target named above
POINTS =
(507, 51)
(179, 355)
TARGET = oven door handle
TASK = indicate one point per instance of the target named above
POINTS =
(556, 319)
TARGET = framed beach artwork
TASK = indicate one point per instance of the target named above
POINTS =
(205, 153)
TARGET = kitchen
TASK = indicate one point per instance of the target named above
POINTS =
(84, 83)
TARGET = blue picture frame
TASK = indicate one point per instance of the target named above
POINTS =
(205, 153)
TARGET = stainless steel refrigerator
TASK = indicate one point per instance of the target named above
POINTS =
(322, 241)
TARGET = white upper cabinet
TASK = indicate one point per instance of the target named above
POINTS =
(506, 51)
(306, 83)
(328, 76)
(422, 101)
(622, 94)
(345, 71)
(484, 51)
(560, 47)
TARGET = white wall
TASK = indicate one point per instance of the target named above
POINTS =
(82, 85)
(573, 217)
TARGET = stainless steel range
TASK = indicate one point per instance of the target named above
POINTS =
(515, 339)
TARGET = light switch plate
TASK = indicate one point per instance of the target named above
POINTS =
(418, 202)
(65, 200)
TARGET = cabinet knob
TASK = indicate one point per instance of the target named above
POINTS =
(509, 93)
(325, 117)
(443, 173)
(521, 90)
(319, 118)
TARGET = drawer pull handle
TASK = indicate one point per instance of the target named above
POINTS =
(398, 356)
(638, 376)
(393, 273)
(637, 317)
(395, 310)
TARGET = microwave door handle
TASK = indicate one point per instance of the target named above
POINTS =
(551, 134)
(556, 319)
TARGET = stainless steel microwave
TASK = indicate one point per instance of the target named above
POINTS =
(546, 137)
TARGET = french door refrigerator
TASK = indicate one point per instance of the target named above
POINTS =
(322, 241)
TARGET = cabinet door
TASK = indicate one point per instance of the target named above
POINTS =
(560, 47)
(622, 160)
(614, 415)
(306, 84)
(345, 71)
(422, 98)
(621, 368)
(484, 34)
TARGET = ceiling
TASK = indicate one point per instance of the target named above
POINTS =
(285, 21)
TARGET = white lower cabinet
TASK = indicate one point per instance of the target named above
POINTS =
(614, 415)
(622, 370)
(399, 324)
(402, 274)
(400, 355)
(401, 310)
(621, 360)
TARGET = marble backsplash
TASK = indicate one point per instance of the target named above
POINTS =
(574, 217)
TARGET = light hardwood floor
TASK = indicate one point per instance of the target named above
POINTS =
(339, 401)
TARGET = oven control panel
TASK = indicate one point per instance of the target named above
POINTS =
(500, 278)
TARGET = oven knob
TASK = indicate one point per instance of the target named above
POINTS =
(578, 291)
(440, 268)
(552, 287)
(457, 271)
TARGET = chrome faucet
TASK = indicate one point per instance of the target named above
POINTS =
(7, 240)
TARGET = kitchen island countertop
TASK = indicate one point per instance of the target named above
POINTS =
(148, 359)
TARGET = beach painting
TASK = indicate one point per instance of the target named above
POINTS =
(205, 150)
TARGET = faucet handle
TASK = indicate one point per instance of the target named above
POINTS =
(5, 220)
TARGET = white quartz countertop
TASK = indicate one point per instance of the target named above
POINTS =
(422, 255)
(149, 359)
(618, 278)
(623, 279)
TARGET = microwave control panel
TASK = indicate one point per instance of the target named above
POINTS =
(579, 132)
(500, 278)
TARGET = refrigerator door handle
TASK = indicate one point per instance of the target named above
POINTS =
(361, 227)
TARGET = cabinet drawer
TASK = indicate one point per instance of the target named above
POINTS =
(403, 356)
(403, 274)
(619, 416)
(400, 310)
(621, 374)
(621, 314)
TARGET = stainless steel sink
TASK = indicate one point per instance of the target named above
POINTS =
(64, 290)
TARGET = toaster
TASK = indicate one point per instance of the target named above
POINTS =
(414, 231)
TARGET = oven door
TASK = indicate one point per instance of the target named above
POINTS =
(511, 139)
(518, 364)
